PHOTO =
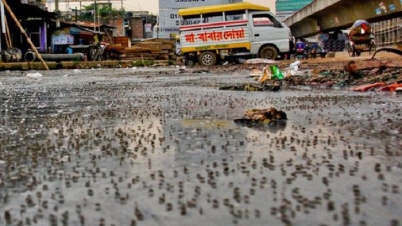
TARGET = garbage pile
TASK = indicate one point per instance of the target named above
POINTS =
(374, 74)
(11, 55)
(342, 73)
(268, 80)
(272, 72)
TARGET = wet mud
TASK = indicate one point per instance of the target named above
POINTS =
(116, 147)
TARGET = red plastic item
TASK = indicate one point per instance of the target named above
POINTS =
(364, 88)
(390, 88)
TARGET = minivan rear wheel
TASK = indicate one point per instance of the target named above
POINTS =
(207, 59)
(268, 52)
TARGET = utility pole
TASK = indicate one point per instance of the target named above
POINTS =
(3, 23)
(110, 7)
(94, 14)
(56, 6)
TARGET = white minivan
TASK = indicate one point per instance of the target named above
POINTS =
(239, 31)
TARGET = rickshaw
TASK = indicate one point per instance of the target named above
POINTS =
(360, 39)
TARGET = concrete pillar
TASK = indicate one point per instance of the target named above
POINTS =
(137, 28)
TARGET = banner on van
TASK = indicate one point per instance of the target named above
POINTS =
(213, 36)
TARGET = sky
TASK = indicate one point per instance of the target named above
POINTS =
(136, 5)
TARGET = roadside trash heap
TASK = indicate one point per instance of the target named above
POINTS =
(363, 75)
(268, 79)
(292, 74)
(272, 71)
(261, 116)
(375, 74)
(381, 75)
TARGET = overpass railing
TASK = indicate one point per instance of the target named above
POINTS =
(388, 32)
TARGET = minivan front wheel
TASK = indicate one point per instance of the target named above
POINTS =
(268, 52)
(241, 60)
(189, 62)
(207, 59)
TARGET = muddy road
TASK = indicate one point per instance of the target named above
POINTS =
(123, 147)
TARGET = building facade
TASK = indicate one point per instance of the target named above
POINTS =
(33, 18)
(286, 8)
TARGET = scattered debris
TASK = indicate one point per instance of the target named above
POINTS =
(202, 71)
(34, 75)
(266, 87)
(182, 69)
(260, 61)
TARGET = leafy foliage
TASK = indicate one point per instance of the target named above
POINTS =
(103, 10)
(140, 63)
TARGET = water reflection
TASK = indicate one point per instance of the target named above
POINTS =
(198, 141)
(125, 150)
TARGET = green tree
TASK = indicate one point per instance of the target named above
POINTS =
(103, 10)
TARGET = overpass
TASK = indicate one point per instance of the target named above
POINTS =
(329, 15)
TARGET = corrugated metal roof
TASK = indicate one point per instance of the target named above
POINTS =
(89, 24)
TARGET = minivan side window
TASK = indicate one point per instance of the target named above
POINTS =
(235, 15)
(265, 20)
(262, 20)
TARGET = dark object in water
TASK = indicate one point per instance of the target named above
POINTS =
(261, 116)
(265, 87)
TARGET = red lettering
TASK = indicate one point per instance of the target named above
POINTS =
(219, 36)
(234, 34)
(239, 33)
(228, 35)
(216, 35)
(190, 37)
(203, 37)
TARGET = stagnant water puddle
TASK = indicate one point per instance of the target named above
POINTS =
(114, 148)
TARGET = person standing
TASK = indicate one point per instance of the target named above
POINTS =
(300, 49)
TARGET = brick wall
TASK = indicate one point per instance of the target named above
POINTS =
(119, 24)
(137, 27)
